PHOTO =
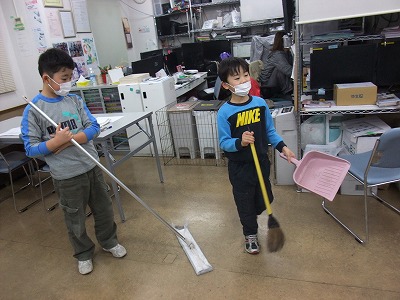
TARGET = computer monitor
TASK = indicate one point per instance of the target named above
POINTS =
(388, 65)
(149, 65)
(151, 53)
(347, 64)
(213, 49)
(193, 56)
(179, 55)
(171, 61)
(242, 49)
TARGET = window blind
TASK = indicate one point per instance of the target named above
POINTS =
(6, 80)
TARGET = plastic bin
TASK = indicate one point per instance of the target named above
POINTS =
(206, 122)
(183, 128)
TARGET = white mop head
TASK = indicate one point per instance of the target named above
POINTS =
(196, 257)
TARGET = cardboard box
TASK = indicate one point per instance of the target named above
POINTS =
(359, 135)
(134, 78)
(350, 186)
(362, 93)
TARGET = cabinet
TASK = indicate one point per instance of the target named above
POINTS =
(188, 22)
(100, 99)
(303, 46)
(104, 99)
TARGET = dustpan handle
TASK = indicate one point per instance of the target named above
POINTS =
(293, 160)
(120, 183)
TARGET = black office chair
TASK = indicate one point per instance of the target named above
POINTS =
(11, 162)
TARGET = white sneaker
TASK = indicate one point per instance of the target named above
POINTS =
(117, 251)
(85, 266)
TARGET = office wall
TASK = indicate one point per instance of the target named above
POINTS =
(106, 21)
(143, 30)
(22, 47)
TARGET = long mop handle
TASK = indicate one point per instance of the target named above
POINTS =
(261, 179)
(112, 176)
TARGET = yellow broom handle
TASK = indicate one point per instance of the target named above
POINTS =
(261, 179)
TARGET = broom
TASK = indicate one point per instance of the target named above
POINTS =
(275, 236)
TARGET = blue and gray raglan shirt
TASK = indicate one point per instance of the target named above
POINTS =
(71, 112)
(253, 115)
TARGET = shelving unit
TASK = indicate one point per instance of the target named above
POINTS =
(100, 99)
(189, 11)
(334, 110)
(104, 99)
(243, 25)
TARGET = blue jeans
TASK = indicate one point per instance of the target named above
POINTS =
(75, 194)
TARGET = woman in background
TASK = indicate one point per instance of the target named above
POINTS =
(275, 78)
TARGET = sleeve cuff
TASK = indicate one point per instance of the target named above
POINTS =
(238, 144)
(280, 146)
(43, 149)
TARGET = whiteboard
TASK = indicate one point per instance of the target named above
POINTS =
(315, 11)
(262, 10)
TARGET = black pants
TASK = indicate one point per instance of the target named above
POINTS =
(247, 192)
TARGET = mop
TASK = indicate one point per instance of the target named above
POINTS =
(189, 245)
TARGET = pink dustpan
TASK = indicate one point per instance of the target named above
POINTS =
(320, 173)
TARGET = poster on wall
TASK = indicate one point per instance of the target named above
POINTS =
(75, 49)
(81, 16)
(54, 23)
(67, 23)
(76, 52)
(61, 46)
(53, 3)
(127, 32)
(89, 51)
(34, 17)
(80, 68)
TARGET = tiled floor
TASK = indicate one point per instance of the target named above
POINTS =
(319, 260)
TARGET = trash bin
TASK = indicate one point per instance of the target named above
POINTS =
(183, 128)
(206, 122)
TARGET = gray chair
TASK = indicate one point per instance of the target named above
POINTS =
(44, 169)
(374, 168)
(11, 162)
(217, 88)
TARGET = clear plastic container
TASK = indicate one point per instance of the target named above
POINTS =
(92, 77)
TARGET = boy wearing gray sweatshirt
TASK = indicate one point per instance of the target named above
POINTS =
(78, 181)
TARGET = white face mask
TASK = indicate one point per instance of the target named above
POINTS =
(242, 89)
(65, 88)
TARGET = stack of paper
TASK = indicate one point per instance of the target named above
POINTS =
(391, 32)
(384, 100)
(12, 132)
(134, 78)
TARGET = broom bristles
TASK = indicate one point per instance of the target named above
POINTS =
(275, 236)
(275, 239)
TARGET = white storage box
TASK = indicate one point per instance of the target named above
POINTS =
(183, 128)
(206, 122)
(331, 149)
(350, 186)
(359, 135)
(313, 131)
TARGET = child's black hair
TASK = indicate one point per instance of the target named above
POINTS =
(53, 60)
(231, 66)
